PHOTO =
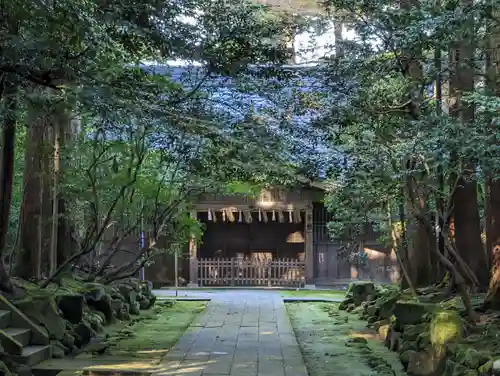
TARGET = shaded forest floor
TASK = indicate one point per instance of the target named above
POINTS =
(318, 294)
(335, 343)
(137, 346)
(154, 333)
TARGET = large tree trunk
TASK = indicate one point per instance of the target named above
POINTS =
(8, 93)
(33, 235)
(492, 212)
(67, 243)
(492, 181)
(465, 205)
(46, 235)
(421, 242)
(468, 230)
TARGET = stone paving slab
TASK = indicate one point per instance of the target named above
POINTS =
(239, 334)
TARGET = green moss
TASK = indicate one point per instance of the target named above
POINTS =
(470, 357)
(486, 367)
(446, 327)
(325, 294)
(141, 338)
(323, 332)
(67, 285)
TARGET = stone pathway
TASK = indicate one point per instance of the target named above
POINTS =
(240, 333)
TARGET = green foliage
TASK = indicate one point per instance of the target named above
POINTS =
(146, 144)
(140, 339)
(397, 144)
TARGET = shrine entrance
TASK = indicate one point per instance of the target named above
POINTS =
(253, 248)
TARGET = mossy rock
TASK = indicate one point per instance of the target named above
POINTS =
(116, 305)
(58, 349)
(84, 334)
(404, 357)
(97, 315)
(470, 357)
(134, 284)
(386, 306)
(423, 340)
(69, 342)
(408, 345)
(455, 369)
(487, 368)
(377, 364)
(411, 332)
(372, 310)
(433, 297)
(147, 288)
(361, 291)
(134, 308)
(91, 287)
(145, 302)
(356, 342)
(345, 303)
(410, 313)
(124, 313)
(358, 310)
(95, 320)
(446, 327)
(152, 301)
(44, 312)
(72, 306)
(114, 292)
(393, 339)
(98, 299)
(128, 292)
(426, 363)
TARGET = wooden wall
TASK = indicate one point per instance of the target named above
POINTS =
(331, 267)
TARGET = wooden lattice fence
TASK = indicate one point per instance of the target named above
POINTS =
(250, 272)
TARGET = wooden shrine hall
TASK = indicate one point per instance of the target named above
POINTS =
(266, 240)
(278, 238)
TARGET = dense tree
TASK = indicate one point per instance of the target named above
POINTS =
(401, 120)
(415, 127)
(98, 122)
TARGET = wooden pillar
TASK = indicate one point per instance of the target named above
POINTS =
(308, 245)
(193, 258)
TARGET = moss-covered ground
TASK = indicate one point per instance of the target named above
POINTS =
(156, 331)
(319, 294)
(135, 346)
(333, 343)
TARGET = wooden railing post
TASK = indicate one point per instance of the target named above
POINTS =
(308, 246)
(233, 270)
(269, 274)
(193, 258)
